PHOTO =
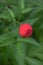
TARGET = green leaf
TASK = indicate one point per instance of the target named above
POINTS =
(20, 50)
(2, 16)
(12, 2)
(5, 40)
(28, 40)
(31, 21)
(41, 27)
(3, 59)
(39, 55)
(13, 28)
(26, 10)
(36, 11)
(36, 2)
(11, 54)
(11, 12)
(32, 61)
(21, 4)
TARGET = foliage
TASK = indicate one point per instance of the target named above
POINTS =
(15, 50)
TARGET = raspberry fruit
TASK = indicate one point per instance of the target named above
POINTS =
(25, 30)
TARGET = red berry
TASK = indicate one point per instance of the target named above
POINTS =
(25, 30)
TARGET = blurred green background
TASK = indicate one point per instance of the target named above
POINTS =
(15, 50)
